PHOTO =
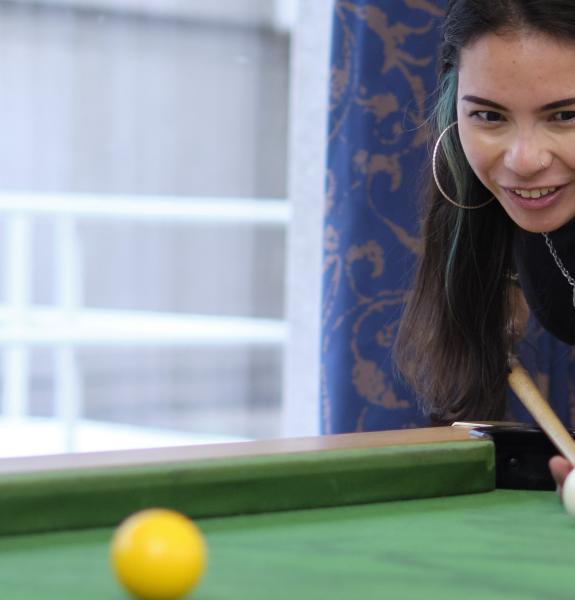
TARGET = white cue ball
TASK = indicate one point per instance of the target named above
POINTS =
(569, 493)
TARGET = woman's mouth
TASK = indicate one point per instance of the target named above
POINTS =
(535, 198)
(533, 194)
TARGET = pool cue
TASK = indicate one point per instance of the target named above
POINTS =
(524, 387)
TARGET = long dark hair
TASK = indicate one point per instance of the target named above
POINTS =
(455, 335)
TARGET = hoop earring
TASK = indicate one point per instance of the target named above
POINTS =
(434, 169)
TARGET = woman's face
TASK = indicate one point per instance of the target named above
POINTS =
(516, 121)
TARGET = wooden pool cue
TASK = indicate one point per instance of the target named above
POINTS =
(528, 393)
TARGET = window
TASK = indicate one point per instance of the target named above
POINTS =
(143, 193)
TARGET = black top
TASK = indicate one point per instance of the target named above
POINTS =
(548, 293)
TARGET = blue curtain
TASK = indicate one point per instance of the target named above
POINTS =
(382, 80)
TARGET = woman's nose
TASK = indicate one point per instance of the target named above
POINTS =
(526, 156)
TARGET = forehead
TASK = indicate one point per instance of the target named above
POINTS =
(519, 68)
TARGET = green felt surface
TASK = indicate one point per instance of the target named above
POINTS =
(501, 544)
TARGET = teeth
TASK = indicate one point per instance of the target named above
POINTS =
(534, 193)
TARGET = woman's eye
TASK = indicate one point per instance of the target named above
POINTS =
(487, 115)
(564, 115)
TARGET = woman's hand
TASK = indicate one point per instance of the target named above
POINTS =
(560, 467)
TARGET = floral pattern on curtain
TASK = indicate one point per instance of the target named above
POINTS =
(383, 74)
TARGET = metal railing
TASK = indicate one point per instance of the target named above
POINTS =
(67, 324)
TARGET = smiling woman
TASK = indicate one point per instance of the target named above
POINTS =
(520, 145)
(501, 206)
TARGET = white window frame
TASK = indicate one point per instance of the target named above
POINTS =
(311, 38)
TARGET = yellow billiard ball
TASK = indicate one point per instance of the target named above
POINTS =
(158, 554)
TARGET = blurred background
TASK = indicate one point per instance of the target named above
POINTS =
(161, 177)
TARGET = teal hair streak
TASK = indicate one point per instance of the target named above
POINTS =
(445, 114)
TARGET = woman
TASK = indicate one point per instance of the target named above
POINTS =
(502, 206)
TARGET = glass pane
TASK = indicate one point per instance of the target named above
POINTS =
(124, 104)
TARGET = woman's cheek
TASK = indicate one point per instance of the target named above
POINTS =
(479, 155)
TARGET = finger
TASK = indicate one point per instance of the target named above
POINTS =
(560, 468)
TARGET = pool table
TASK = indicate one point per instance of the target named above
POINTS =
(401, 514)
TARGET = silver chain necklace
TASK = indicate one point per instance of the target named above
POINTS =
(560, 264)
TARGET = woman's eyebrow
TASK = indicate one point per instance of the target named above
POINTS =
(558, 104)
(551, 106)
(484, 102)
